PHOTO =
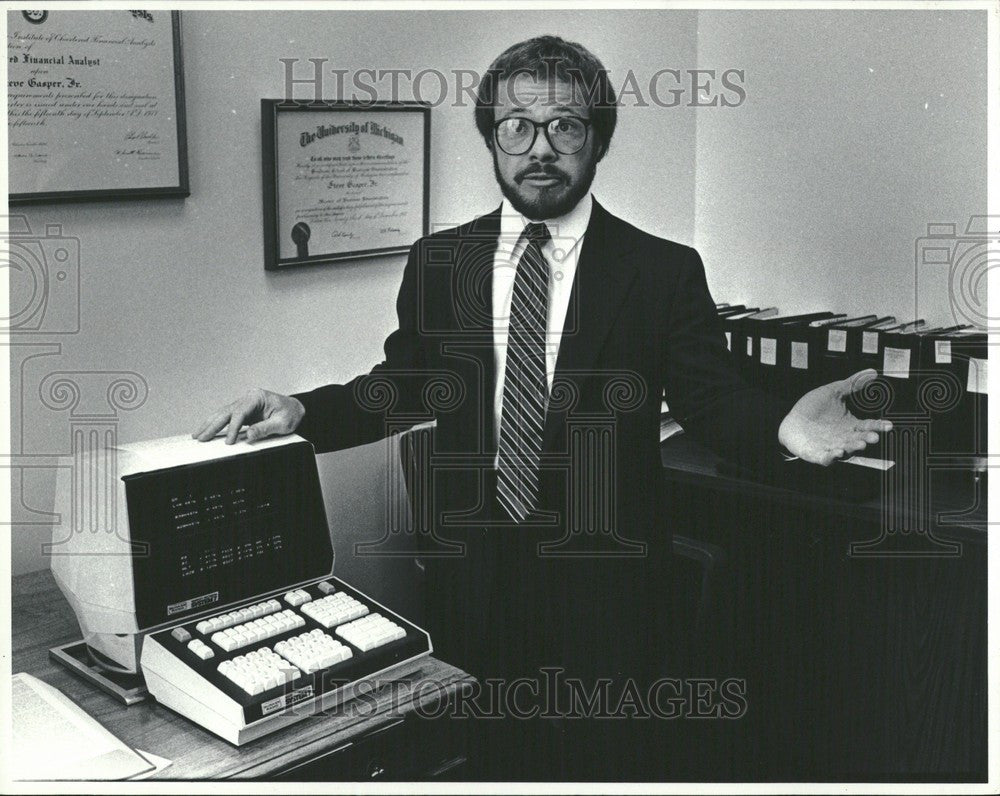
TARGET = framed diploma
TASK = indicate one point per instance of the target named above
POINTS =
(95, 105)
(342, 180)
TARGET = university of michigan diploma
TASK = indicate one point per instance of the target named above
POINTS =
(343, 181)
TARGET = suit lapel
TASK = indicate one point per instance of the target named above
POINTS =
(472, 295)
(604, 274)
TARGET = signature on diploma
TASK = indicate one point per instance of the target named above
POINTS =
(142, 135)
(387, 230)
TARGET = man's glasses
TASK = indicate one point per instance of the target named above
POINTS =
(566, 134)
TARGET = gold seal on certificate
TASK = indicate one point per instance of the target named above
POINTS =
(95, 105)
(342, 180)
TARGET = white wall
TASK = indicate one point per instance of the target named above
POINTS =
(809, 195)
(859, 129)
(176, 292)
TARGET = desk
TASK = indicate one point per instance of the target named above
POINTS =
(389, 743)
(857, 668)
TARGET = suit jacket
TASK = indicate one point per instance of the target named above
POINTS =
(640, 322)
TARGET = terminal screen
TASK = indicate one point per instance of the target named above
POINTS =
(226, 530)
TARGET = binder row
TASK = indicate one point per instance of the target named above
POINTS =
(930, 378)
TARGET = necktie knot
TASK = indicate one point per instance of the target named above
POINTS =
(538, 233)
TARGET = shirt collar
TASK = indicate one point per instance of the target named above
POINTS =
(570, 226)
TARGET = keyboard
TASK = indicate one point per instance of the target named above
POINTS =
(253, 668)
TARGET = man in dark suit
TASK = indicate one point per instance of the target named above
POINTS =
(540, 337)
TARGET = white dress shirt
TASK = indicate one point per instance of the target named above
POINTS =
(561, 253)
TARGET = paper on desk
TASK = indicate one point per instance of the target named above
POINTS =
(861, 461)
(55, 739)
(669, 427)
(160, 763)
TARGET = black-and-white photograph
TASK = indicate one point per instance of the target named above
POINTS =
(481, 395)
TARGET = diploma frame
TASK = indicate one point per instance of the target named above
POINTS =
(182, 188)
(270, 162)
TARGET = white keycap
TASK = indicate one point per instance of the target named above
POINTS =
(335, 609)
(200, 649)
(256, 630)
(313, 651)
(370, 632)
(258, 671)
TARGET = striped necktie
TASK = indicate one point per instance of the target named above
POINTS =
(525, 386)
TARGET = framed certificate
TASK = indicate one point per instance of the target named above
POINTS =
(95, 105)
(342, 180)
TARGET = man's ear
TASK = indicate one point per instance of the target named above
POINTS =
(602, 150)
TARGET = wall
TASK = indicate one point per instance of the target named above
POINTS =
(176, 292)
(859, 129)
(808, 195)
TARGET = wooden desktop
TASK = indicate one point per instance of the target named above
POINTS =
(860, 668)
(393, 737)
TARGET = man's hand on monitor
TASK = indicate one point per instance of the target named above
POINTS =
(268, 413)
(820, 429)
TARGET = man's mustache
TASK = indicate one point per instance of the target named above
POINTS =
(540, 171)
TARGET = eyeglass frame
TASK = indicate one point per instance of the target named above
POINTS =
(587, 124)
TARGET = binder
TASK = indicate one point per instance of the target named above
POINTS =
(953, 391)
(848, 346)
(769, 339)
(866, 349)
(732, 326)
(799, 355)
(899, 376)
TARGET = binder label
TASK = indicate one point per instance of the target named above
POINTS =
(749, 346)
(836, 340)
(942, 352)
(768, 351)
(896, 362)
(869, 343)
(977, 376)
(800, 356)
(729, 340)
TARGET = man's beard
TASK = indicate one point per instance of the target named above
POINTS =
(545, 207)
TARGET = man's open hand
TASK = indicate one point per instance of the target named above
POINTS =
(269, 414)
(819, 428)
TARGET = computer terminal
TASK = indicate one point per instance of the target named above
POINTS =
(213, 576)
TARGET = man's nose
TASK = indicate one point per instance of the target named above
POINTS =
(542, 149)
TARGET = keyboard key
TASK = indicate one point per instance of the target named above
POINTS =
(370, 632)
(313, 651)
(326, 587)
(335, 609)
(214, 624)
(180, 634)
(201, 649)
(259, 671)
(257, 630)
